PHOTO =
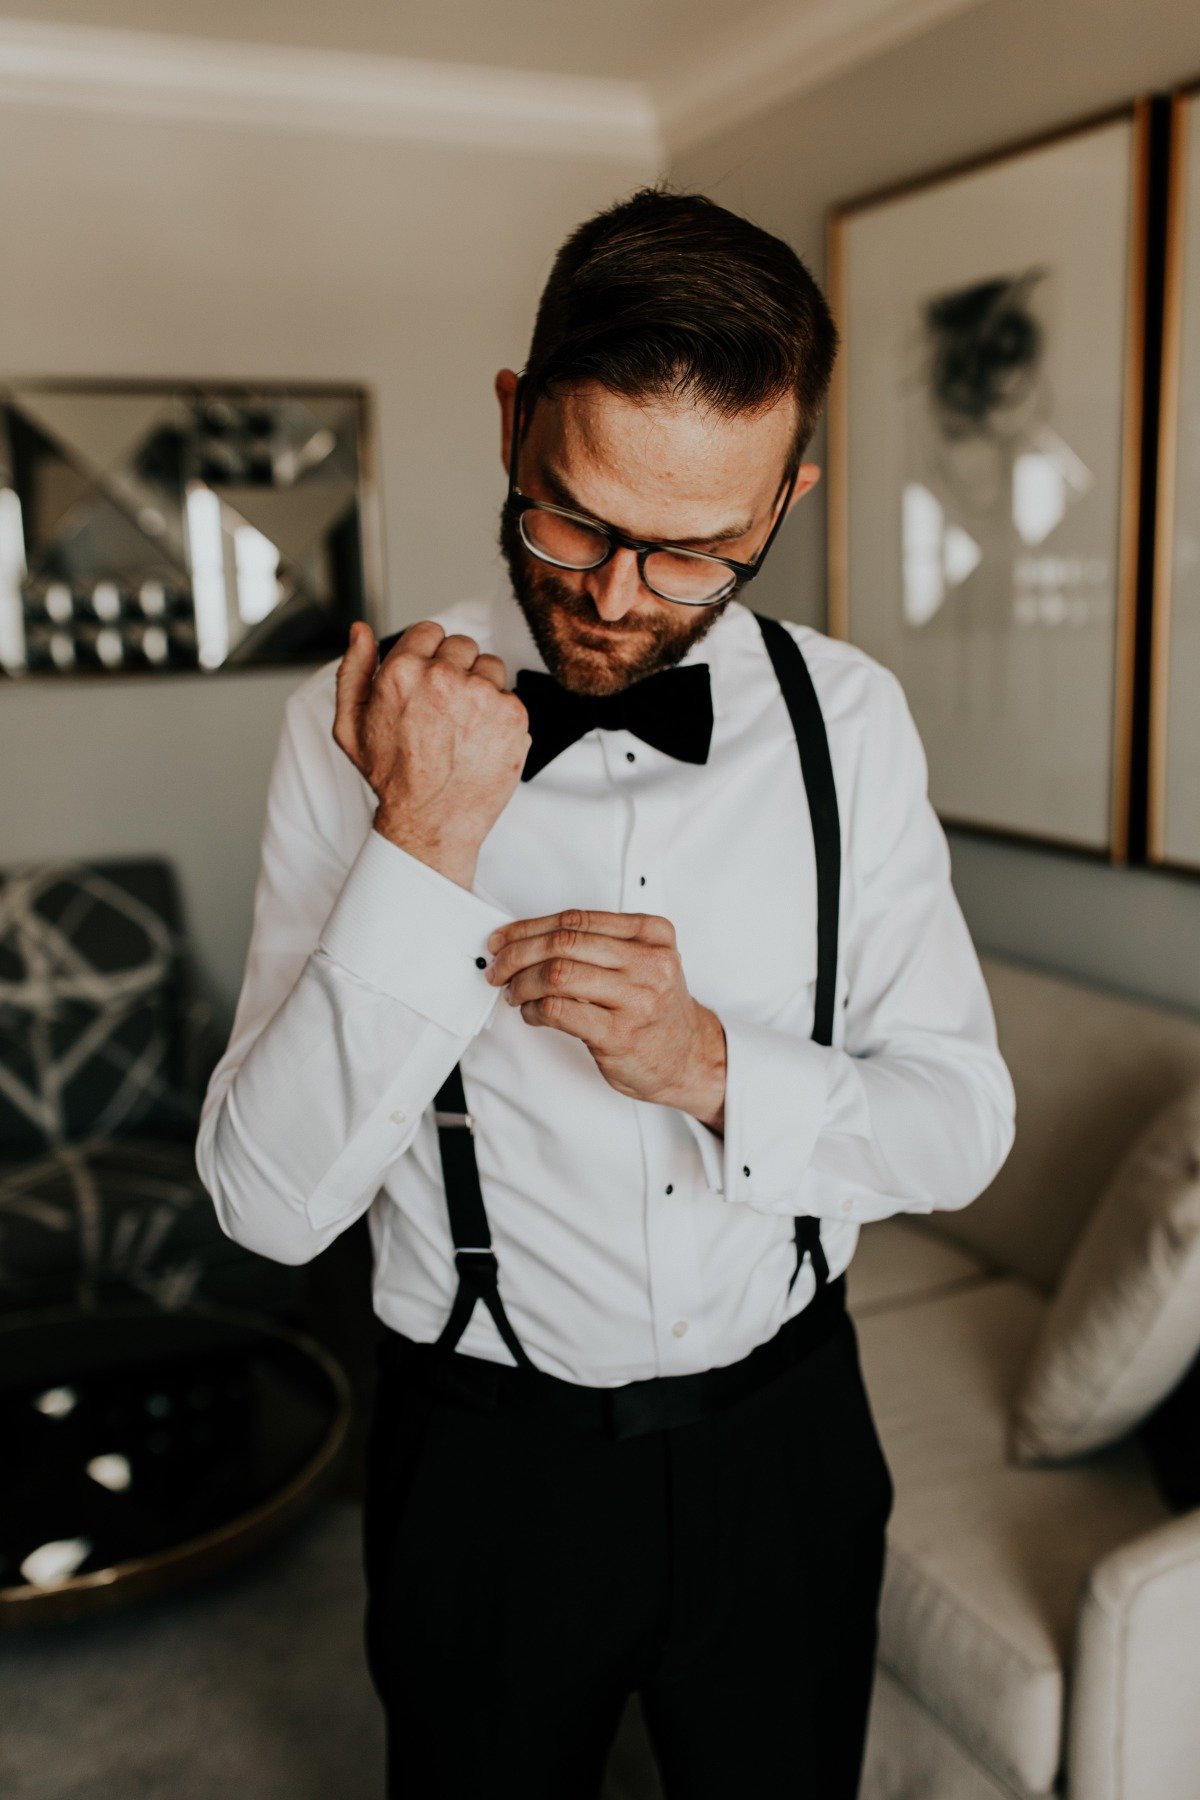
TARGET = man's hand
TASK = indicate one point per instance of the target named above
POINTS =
(434, 733)
(615, 980)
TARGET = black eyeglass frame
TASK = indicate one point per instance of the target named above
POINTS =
(518, 504)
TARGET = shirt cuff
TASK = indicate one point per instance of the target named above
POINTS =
(406, 929)
(776, 1088)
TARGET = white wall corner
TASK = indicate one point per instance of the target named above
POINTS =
(780, 52)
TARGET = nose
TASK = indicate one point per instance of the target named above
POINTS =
(617, 587)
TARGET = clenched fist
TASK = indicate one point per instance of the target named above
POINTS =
(433, 731)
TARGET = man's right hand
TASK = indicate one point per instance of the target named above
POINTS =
(436, 736)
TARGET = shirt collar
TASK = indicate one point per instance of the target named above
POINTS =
(514, 643)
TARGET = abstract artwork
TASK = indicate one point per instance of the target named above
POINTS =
(1174, 762)
(984, 426)
(179, 526)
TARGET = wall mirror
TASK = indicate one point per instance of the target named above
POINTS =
(182, 526)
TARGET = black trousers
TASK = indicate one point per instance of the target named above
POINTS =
(525, 1577)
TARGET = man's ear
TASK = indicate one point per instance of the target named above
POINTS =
(807, 476)
(506, 391)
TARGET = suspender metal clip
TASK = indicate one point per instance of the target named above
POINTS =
(455, 1118)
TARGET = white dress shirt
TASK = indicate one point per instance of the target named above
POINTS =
(632, 1240)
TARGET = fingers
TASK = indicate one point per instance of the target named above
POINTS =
(561, 945)
(354, 676)
(491, 668)
(429, 640)
(650, 926)
(562, 978)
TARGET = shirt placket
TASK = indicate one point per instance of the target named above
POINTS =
(679, 1330)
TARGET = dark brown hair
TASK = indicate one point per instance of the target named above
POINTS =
(668, 293)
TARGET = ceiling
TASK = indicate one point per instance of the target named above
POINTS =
(632, 40)
(669, 70)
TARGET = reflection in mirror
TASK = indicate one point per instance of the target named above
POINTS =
(181, 527)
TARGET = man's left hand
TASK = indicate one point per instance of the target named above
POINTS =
(615, 980)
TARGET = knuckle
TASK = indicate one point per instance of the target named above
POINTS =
(563, 938)
(575, 918)
(558, 970)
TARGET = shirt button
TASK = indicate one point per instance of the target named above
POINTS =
(679, 1328)
(398, 1118)
(847, 1205)
(629, 756)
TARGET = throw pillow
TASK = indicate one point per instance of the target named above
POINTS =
(1125, 1322)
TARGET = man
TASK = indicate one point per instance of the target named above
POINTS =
(605, 954)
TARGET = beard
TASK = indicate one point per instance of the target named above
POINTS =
(556, 613)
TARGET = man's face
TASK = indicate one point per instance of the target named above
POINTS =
(665, 471)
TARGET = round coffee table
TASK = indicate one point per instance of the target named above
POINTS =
(144, 1447)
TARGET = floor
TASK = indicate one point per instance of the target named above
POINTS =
(251, 1682)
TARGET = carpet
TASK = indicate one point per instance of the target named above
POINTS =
(252, 1682)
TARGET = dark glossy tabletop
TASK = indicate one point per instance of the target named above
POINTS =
(128, 1433)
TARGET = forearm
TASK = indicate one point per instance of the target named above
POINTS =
(316, 1097)
(295, 1139)
(807, 1128)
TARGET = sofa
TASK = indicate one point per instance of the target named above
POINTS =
(1039, 1627)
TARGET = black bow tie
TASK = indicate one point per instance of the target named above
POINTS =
(671, 710)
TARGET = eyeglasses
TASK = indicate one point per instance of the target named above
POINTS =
(572, 540)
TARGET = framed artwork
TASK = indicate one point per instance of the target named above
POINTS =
(1173, 809)
(151, 527)
(985, 431)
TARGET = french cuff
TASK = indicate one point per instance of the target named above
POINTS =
(408, 930)
(776, 1088)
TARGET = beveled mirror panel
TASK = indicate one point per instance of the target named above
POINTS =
(181, 526)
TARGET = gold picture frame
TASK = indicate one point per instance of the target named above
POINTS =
(1173, 761)
(1045, 810)
(183, 525)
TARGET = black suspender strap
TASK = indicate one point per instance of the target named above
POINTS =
(813, 744)
(474, 1258)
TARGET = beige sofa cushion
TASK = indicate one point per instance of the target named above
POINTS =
(986, 1561)
(897, 1261)
(1091, 1069)
(1125, 1322)
(911, 1756)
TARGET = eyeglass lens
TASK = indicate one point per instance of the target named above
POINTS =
(672, 574)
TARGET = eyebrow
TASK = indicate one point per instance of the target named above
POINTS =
(565, 497)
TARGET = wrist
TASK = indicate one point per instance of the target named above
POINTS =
(705, 1097)
(453, 856)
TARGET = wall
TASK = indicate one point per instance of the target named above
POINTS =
(1000, 72)
(146, 247)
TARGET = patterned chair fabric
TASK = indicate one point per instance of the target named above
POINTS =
(125, 1218)
(103, 1063)
(91, 1000)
